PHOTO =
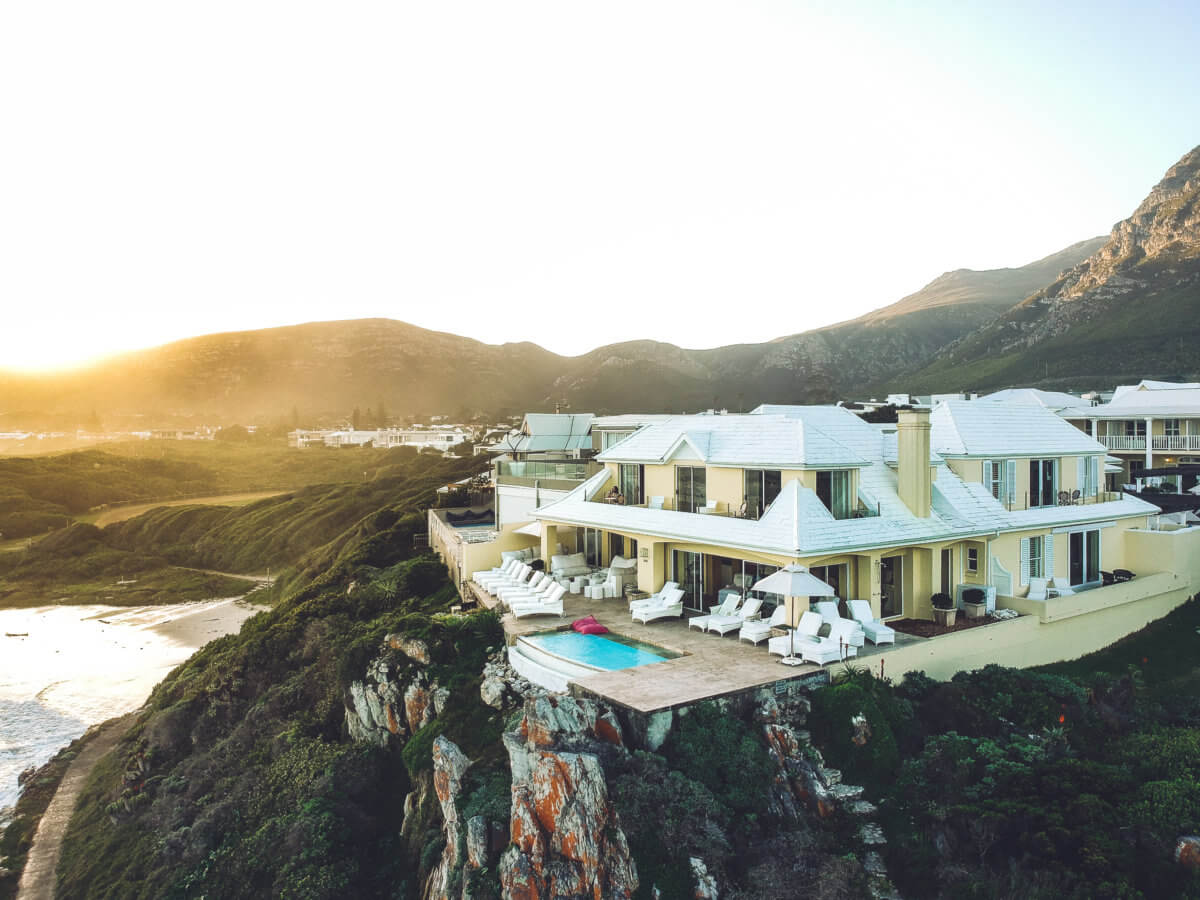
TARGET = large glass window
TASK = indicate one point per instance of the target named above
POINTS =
(690, 484)
(1135, 428)
(1171, 427)
(1043, 482)
(1085, 556)
(630, 482)
(759, 487)
(835, 577)
(833, 488)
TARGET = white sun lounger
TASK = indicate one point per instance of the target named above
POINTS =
(728, 608)
(875, 630)
(722, 625)
(669, 606)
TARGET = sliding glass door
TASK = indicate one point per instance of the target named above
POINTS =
(687, 568)
(1043, 482)
(759, 488)
(1085, 557)
(690, 482)
(833, 489)
(630, 483)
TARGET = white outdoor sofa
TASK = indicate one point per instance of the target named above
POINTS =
(828, 611)
(807, 631)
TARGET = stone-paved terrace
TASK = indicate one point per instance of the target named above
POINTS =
(711, 666)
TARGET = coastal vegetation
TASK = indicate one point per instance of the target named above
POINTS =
(1073, 781)
(186, 552)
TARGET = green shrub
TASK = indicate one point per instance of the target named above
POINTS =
(719, 751)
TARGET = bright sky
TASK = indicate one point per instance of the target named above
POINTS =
(571, 174)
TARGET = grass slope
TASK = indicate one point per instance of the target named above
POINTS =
(238, 780)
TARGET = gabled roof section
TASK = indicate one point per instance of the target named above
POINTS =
(972, 428)
(1052, 400)
(824, 437)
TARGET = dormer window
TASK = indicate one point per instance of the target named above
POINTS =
(833, 489)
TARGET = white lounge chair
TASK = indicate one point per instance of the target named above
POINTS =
(833, 648)
(807, 631)
(728, 608)
(760, 629)
(669, 606)
(520, 579)
(875, 630)
(655, 597)
(533, 585)
(656, 502)
(1038, 588)
(828, 611)
(552, 605)
(517, 575)
(532, 596)
(722, 625)
(508, 567)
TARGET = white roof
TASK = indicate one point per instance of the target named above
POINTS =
(971, 428)
(1138, 402)
(628, 420)
(823, 436)
(1053, 400)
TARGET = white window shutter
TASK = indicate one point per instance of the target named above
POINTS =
(989, 477)
(1094, 472)
(1081, 470)
(1010, 488)
(1024, 561)
(1048, 556)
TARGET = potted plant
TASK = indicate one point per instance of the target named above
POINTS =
(974, 603)
(944, 612)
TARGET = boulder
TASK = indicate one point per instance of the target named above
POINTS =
(418, 704)
(706, 884)
(415, 649)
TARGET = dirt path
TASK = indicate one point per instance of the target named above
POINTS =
(38, 879)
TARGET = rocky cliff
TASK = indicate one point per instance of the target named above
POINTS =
(576, 776)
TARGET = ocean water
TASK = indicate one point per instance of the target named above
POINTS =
(81, 665)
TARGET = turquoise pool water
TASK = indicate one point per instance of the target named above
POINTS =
(600, 651)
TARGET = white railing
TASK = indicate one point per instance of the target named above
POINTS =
(1176, 442)
(1123, 442)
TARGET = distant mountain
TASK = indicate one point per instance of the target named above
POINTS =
(1130, 310)
(324, 370)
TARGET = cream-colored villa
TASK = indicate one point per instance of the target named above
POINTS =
(972, 494)
(1005, 497)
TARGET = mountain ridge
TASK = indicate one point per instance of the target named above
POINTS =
(325, 369)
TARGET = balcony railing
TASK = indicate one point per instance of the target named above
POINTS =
(1123, 442)
(571, 470)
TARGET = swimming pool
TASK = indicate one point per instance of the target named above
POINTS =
(603, 652)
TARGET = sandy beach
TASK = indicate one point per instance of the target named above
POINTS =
(73, 666)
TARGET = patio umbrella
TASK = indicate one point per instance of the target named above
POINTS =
(793, 580)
